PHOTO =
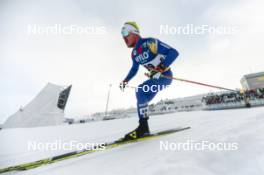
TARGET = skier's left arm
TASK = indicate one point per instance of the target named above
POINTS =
(169, 52)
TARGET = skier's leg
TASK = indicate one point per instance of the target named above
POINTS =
(147, 91)
(144, 95)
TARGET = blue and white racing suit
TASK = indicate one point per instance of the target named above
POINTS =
(150, 53)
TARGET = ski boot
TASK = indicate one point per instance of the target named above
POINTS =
(141, 131)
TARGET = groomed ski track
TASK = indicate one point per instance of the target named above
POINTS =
(242, 126)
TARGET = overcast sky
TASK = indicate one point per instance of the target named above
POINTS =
(91, 61)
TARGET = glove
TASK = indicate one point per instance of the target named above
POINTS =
(154, 74)
(157, 72)
(122, 85)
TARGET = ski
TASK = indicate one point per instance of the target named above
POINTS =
(109, 145)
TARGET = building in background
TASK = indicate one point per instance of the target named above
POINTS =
(253, 81)
(46, 109)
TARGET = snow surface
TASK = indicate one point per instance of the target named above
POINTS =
(242, 126)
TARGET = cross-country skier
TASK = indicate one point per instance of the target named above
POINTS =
(156, 57)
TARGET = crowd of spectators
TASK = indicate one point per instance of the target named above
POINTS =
(234, 97)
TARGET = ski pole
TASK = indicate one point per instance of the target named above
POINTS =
(132, 87)
(193, 82)
(199, 83)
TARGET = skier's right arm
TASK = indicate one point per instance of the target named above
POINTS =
(133, 71)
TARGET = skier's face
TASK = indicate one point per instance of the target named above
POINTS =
(130, 40)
